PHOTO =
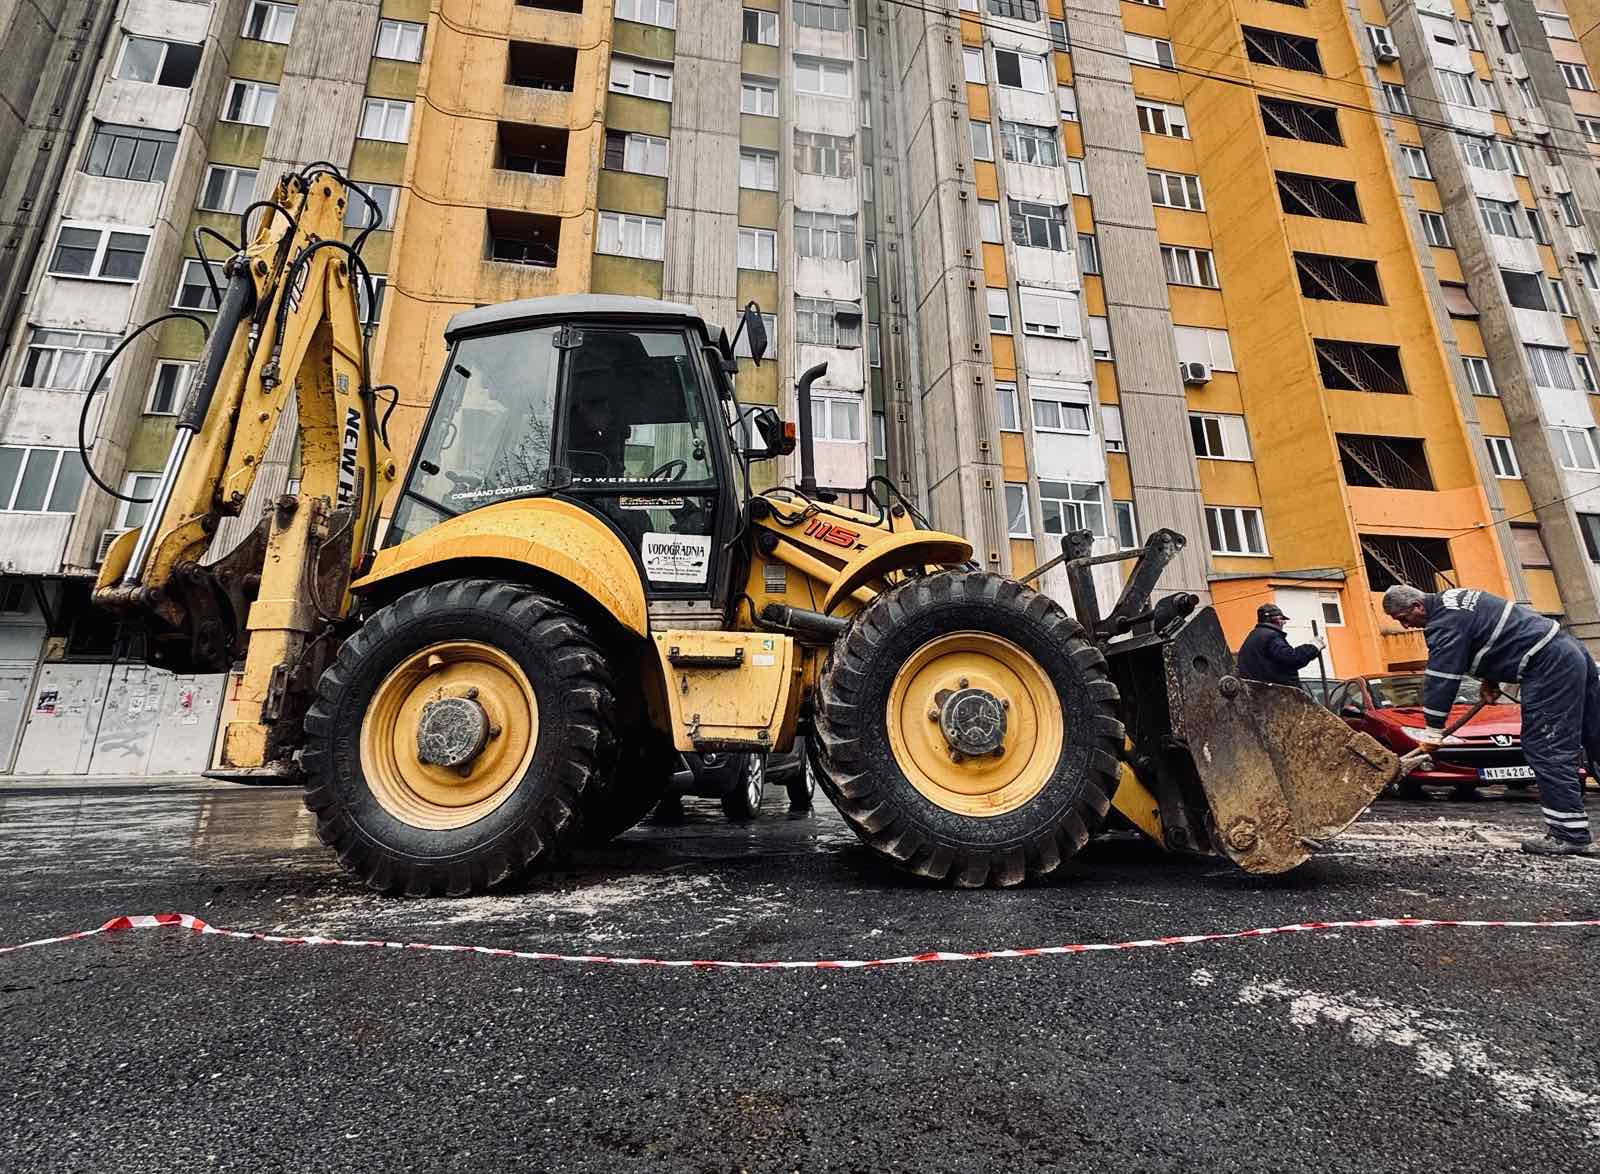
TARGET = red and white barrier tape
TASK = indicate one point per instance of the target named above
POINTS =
(192, 923)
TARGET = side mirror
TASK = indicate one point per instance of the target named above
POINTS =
(757, 330)
(1351, 709)
(775, 433)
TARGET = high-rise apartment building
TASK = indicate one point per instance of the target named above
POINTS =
(1315, 284)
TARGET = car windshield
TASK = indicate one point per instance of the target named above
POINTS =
(1406, 691)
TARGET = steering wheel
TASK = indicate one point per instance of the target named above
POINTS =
(673, 470)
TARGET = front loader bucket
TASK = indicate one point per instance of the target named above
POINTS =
(1261, 773)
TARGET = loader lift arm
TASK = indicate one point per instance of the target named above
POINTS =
(287, 328)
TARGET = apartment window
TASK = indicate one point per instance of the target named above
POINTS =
(1235, 530)
(1219, 437)
(1590, 265)
(1558, 296)
(130, 152)
(972, 66)
(1315, 195)
(1416, 160)
(1127, 525)
(1006, 409)
(758, 170)
(1360, 366)
(1575, 450)
(622, 235)
(1469, 33)
(1022, 142)
(1530, 100)
(399, 40)
(251, 103)
(827, 323)
(1338, 279)
(880, 435)
(1508, 38)
(756, 96)
(661, 13)
(1169, 189)
(358, 213)
(1065, 506)
(1585, 373)
(640, 154)
(824, 235)
(1200, 344)
(168, 387)
(385, 120)
(63, 360)
(1157, 118)
(1150, 51)
(1150, 3)
(1018, 524)
(1396, 98)
(99, 253)
(194, 291)
(836, 418)
(1568, 204)
(40, 480)
(822, 154)
(760, 28)
(135, 513)
(1500, 217)
(982, 140)
(1015, 9)
(1502, 458)
(1022, 71)
(160, 63)
(741, 345)
(1590, 525)
(1284, 50)
(1458, 87)
(1059, 40)
(538, 66)
(1524, 290)
(1111, 428)
(1301, 120)
(989, 228)
(1039, 226)
(868, 185)
(1100, 336)
(645, 80)
(1077, 179)
(1536, 225)
(813, 75)
(758, 249)
(1067, 100)
(1550, 366)
(230, 189)
(1047, 314)
(1590, 128)
(1186, 266)
(874, 346)
(1435, 230)
(265, 21)
(1088, 254)
(869, 259)
(1557, 25)
(1577, 76)
(833, 15)
(1479, 377)
(1482, 152)
(1059, 415)
(999, 303)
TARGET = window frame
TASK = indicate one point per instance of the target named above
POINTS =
(763, 243)
(1072, 506)
(161, 66)
(1006, 391)
(276, 13)
(825, 401)
(1435, 229)
(751, 86)
(998, 297)
(202, 284)
(764, 17)
(400, 28)
(179, 390)
(1240, 514)
(636, 14)
(1164, 183)
(389, 106)
(1197, 259)
(233, 206)
(165, 145)
(758, 159)
(623, 220)
(1022, 510)
(102, 247)
(1053, 397)
(825, 67)
(1503, 458)
(1476, 366)
(659, 73)
(91, 358)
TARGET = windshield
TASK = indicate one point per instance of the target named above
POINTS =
(1406, 691)
(634, 409)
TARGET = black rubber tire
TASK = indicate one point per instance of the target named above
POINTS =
(859, 773)
(802, 787)
(572, 685)
(1411, 789)
(739, 805)
(614, 804)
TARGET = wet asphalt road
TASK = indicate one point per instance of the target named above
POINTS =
(1359, 1050)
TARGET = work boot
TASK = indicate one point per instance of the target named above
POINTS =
(1548, 845)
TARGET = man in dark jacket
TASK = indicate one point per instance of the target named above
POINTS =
(1473, 633)
(1266, 654)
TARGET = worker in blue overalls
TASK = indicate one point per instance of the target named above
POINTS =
(1473, 633)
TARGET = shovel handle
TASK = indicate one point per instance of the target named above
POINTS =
(1414, 756)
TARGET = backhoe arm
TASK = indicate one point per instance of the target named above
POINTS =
(287, 326)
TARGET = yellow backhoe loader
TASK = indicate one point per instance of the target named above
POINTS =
(577, 580)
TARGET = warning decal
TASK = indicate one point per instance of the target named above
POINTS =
(676, 558)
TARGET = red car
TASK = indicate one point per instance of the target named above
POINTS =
(1487, 750)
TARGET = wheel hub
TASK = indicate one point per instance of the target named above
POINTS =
(451, 731)
(973, 721)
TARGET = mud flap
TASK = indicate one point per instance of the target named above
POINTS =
(1261, 773)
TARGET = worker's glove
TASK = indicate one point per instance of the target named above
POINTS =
(1320, 641)
(1426, 736)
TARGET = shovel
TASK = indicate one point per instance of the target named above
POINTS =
(1414, 759)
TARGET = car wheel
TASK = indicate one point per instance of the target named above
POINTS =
(1412, 789)
(802, 788)
(741, 802)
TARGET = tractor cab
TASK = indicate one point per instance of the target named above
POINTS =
(620, 405)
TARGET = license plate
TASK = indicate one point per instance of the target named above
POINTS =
(1506, 772)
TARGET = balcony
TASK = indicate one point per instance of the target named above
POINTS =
(523, 238)
(531, 150)
(534, 66)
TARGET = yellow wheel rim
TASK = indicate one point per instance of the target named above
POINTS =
(425, 794)
(990, 671)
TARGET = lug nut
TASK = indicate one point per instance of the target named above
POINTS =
(933, 715)
(494, 731)
(472, 693)
(962, 683)
(956, 755)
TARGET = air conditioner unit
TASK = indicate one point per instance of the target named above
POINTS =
(107, 537)
(1194, 374)
(1385, 53)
